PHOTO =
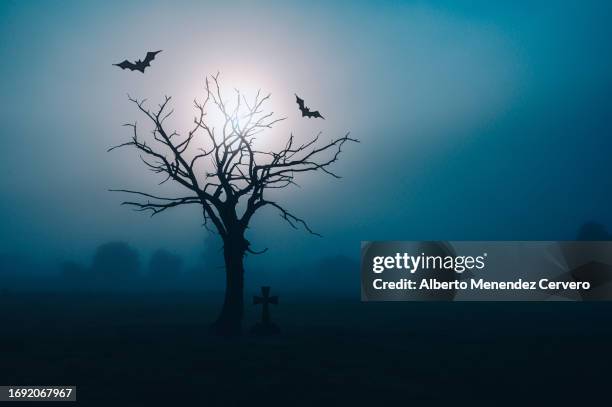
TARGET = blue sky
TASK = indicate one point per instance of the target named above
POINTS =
(478, 120)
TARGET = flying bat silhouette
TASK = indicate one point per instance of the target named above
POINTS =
(306, 111)
(139, 65)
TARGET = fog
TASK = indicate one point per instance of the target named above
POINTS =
(476, 121)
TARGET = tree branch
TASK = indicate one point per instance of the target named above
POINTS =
(224, 166)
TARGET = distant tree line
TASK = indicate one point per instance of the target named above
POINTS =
(117, 266)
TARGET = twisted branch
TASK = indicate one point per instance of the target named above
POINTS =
(224, 166)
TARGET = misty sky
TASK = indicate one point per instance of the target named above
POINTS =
(477, 120)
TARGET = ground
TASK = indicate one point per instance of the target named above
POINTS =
(154, 349)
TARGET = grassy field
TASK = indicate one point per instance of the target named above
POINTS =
(154, 349)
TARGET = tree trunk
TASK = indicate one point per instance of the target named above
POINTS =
(229, 322)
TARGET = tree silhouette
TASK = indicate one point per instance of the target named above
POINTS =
(225, 173)
(115, 261)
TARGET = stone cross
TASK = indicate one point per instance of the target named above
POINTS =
(265, 327)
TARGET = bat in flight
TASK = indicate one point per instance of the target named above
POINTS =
(306, 111)
(139, 65)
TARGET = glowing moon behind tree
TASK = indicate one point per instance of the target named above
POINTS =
(228, 175)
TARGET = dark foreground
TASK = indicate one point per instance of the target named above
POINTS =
(154, 349)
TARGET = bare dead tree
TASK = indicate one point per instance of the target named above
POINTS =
(228, 177)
